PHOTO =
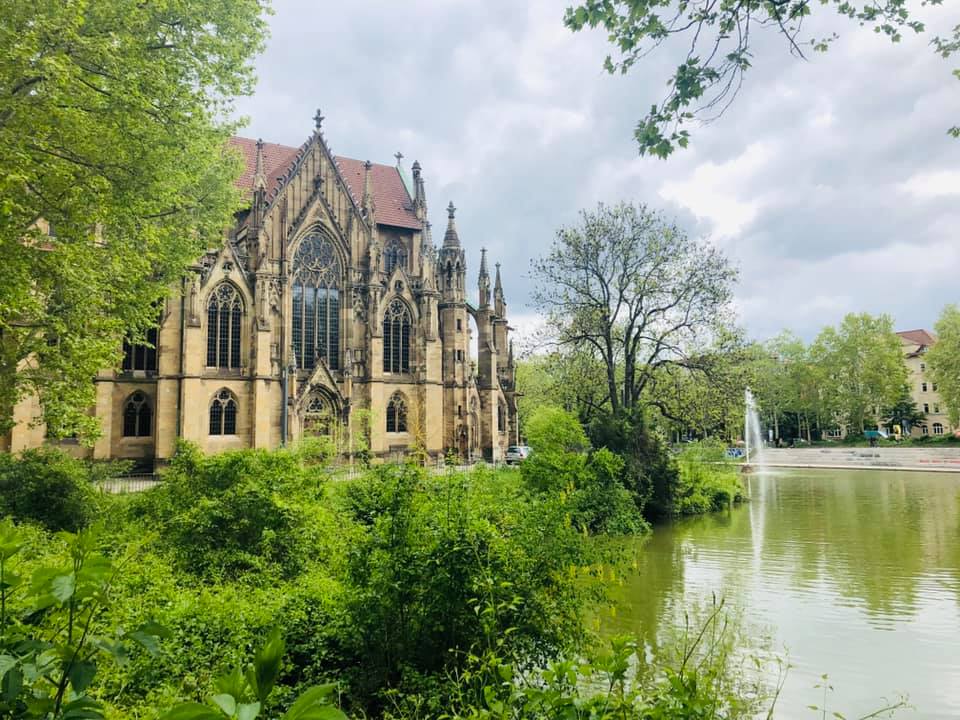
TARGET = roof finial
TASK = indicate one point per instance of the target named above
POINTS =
(259, 176)
(451, 239)
(318, 119)
(399, 156)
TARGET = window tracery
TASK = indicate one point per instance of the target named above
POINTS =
(397, 322)
(223, 413)
(316, 302)
(224, 317)
(397, 414)
(137, 416)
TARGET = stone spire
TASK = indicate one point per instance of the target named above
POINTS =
(369, 207)
(484, 280)
(450, 238)
(419, 193)
(499, 303)
(259, 176)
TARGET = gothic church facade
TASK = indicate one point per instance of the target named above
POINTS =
(326, 297)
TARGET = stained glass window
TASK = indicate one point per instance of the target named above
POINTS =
(396, 338)
(224, 315)
(316, 302)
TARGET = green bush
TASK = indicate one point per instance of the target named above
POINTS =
(708, 479)
(446, 562)
(51, 488)
(649, 472)
(239, 512)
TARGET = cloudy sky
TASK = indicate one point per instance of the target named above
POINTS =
(831, 183)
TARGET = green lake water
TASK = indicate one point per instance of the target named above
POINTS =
(855, 573)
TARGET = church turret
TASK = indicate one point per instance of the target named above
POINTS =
(259, 193)
(450, 238)
(484, 279)
(419, 192)
(452, 261)
(499, 303)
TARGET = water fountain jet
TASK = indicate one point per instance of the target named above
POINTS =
(752, 436)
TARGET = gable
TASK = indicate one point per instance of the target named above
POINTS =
(393, 203)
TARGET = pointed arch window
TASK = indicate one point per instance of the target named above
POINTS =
(395, 255)
(224, 317)
(223, 413)
(501, 418)
(137, 416)
(318, 417)
(397, 414)
(317, 277)
(396, 337)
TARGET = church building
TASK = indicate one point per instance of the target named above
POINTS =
(325, 310)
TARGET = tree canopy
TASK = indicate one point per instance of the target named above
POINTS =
(634, 293)
(717, 39)
(113, 120)
(944, 360)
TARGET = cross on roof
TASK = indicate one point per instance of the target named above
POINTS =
(318, 119)
(398, 156)
(451, 210)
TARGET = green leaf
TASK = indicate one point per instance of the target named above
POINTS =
(226, 703)
(266, 665)
(6, 663)
(83, 708)
(191, 711)
(310, 700)
(81, 674)
(62, 587)
(248, 711)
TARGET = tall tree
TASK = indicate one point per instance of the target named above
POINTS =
(113, 119)
(635, 292)
(862, 362)
(944, 361)
(717, 40)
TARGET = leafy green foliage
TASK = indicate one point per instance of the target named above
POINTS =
(944, 360)
(234, 513)
(648, 473)
(448, 561)
(52, 635)
(708, 480)
(242, 693)
(51, 488)
(717, 38)
(113, 116)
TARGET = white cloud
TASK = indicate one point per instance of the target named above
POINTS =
(940, 183)
(720, 193)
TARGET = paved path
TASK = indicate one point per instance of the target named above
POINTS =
(932, 459)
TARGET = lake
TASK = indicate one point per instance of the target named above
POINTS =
(855, 573)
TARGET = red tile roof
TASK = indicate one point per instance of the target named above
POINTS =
(393, 203)
(918, 337)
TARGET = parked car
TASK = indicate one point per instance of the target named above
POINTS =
(517, 454)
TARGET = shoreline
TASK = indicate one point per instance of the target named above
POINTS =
(935, 468)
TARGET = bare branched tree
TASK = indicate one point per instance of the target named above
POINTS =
(634, 291)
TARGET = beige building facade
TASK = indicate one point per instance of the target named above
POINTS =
(325, 298)
(923, 390)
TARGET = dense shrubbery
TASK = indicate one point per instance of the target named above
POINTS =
(48, 487)
(631, 478)
(649, 472)
(389, 584)
(708, 479)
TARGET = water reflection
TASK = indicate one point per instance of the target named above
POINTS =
(857, 572)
